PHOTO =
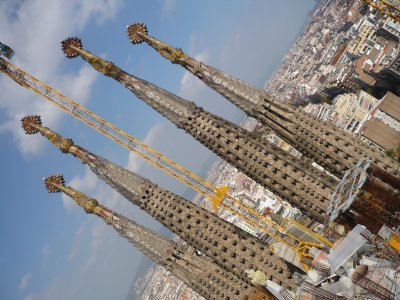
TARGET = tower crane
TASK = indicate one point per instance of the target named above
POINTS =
(218, 196)
(387, 7)
(6, 51)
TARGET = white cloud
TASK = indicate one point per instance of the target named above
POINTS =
(193, 39)
(25, 280)
(100, 10)
(102, 237)
(57, 289)
(76, 244)
(45, 257)
(167, 5)
(24, 26)
(46, 251)
(30, 297)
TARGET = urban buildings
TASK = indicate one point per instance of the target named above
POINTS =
(376, 120)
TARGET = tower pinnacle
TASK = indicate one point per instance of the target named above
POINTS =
(72, 47)
(138, 33)
(33, 125)
(330, 147)
(56, 184)
(236, 251)
(181, 260)
(240, 93)
(169, 105)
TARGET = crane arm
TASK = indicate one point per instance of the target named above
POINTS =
(106, 128)
(218, 196)
(389, 8)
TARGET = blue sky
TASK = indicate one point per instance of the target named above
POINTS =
(50, 249)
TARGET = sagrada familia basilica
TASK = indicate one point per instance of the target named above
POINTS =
(336, 178)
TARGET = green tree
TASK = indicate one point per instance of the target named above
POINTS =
(394, 153)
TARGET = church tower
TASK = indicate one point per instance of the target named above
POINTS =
(330, 147)
(227, 245)
(292, 178)
(196, 270)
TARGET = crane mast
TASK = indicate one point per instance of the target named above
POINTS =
(218, 196)
(388, 8)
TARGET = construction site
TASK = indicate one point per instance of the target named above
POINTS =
(345, 244)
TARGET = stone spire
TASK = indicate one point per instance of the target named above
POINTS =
(195, 270)
(327, 145)
(151, 244)
(292, 178)
(227, 245)
(238, 92)
(169, 105)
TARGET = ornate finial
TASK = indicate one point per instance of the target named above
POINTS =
(53, 182)
(33, 124)
(56, 184)
(68, 46)
(29, 124)
(72, 47)
(135, 32)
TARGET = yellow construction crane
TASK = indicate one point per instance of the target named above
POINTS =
(390, 8)
(218, 196)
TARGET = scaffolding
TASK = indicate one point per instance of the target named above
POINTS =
(348, 189)
(388, 7)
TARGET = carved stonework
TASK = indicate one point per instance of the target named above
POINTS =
(173, 107)
(197, 271)
(283, 174)
(226, 244)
